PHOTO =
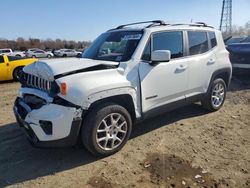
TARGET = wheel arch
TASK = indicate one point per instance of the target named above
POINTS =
(225, 74)
(124, 100)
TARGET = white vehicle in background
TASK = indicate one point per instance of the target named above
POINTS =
(127, 75)
(38, 53)
(67, 53)
(10, 52)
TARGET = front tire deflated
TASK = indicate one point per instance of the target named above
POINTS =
(106, 129)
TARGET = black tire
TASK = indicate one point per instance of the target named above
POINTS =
(49, 56)
(33, 56)
(207, 102)
(94, 120)
(64, 55)
(16, 73)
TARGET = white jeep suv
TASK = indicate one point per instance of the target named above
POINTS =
(127, 75)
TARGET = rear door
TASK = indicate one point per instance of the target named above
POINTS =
(165, 82)
(202, 61)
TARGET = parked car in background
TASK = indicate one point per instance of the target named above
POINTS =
(10, 66)
(67, 53)
(37, 53)
(8, 51)
(240, 55)
(237, 39)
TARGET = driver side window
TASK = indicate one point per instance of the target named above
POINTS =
(1, 59)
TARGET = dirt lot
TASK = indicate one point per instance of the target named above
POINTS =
(184, 148)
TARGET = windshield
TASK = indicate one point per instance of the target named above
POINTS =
(114, 46)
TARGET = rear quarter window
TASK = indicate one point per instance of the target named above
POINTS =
(213, 39)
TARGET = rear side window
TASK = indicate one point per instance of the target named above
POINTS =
(198, 42)
(14, 58)
(172, 41)
(1, 59)
(212, 39)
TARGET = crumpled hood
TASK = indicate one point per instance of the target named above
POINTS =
(56, 68)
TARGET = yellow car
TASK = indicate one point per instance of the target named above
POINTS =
(10, 66)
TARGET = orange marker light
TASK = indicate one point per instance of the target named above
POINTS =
(63, 88)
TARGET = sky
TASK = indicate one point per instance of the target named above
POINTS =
(84, 20)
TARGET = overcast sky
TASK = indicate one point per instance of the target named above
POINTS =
(86, 19)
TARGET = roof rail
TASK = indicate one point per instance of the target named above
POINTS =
(153, 23)
(197, 24)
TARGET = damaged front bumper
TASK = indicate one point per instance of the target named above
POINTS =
(49, 125)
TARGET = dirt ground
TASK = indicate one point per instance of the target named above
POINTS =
(184, 148)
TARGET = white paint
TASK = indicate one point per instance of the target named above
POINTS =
(150, 86)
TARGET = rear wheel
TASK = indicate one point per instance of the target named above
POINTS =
(106, 129)
(216, 95)
(33, 56)
(64, 55)
(49, 56)
(17, 73)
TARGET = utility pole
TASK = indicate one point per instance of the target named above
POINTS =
(226, 17)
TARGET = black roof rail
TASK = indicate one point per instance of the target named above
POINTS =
(153, 23)
(197, 24)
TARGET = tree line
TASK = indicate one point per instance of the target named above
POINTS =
(240, 30)
(48, 44)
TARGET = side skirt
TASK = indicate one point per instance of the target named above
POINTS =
(169, 107)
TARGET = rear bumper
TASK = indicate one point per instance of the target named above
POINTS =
(64, 127)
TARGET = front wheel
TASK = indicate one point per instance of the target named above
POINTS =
(216, 95)
(106, 129)
(17, 73)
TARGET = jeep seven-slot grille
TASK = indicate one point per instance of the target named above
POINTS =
(36, 82)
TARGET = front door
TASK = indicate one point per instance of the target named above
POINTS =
(165, 82)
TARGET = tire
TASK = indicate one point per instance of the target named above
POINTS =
(16, 73)
(18, 55)
(215, 96)
(96, 119)
(64, 55)
(49, 56)
(33, 56)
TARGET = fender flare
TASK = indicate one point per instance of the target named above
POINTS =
(92, 98)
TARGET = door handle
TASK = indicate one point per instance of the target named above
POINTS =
(211, 62)
(182, 67)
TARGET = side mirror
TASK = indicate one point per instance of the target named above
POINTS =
(161, 56)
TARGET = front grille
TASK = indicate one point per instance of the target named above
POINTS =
(32, 81)
(36, 82)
